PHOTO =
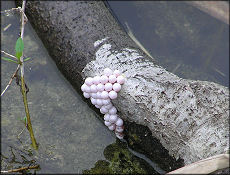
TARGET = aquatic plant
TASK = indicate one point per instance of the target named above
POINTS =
(19, 60)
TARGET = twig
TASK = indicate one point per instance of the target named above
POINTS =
(9, 54)
(11, 79)
(17, 9)
(21, 169)
(5, 28)
(21, 132)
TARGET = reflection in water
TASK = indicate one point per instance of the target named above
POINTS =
(182, 39)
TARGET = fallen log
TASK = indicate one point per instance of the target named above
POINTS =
(189, 118)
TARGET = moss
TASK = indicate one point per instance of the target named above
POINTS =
(120, 161)
(101, 167)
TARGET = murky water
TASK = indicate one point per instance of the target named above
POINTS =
(183, 39)
(70, 135)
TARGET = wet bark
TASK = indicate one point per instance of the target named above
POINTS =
(188, 117)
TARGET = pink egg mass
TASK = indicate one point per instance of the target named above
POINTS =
(108, 87)
(113, 110)
(96, 80)
(120, 79)
(108, 71)
(112, 94)
(112, 79)
(104, 79)
(112, 127)
(116, 73)
(116, 87)
(86, 95)
(101, 90)
(100, 87)
(89, 81)
(106, 117)
(113, 118)
(93, 88)
(104, 95)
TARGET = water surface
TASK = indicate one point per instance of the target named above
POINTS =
(182, 39)
(70, 135)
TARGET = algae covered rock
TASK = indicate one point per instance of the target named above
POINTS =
(120, 161)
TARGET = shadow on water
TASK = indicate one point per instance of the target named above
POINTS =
(182, 39)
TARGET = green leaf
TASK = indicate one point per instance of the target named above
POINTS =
(26, 59)
(18, 55)
(8, 59)
(25, 119)
(19, 47)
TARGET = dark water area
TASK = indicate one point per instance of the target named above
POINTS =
(181, 38)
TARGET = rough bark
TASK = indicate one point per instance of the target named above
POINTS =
(190, 118)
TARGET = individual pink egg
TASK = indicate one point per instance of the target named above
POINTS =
(93, 101)
(104, 95)
(112, 127)
(87, 89)
(109, 106)
(119, 135)
(108, 87)
(99, 102)
(103, 110)
(99, 95)
(86, 95)
(105, 101)
(120, 79)
(89, 81)
(119, 122)
(100, 87)
(107, 123)
(94, 95)
(113, 118)
(83, 87)
(104, 79)
(97, 106)
(106, 117)
(113, 110)
(120, 128)
(116, 73)
(116, 87)
(96, 80)
(93, 88)
(108, 72)
(112, 95)
(112, 79)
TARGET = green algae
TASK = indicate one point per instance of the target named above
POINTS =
(119, 160)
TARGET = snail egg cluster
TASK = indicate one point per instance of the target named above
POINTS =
(101, 90)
